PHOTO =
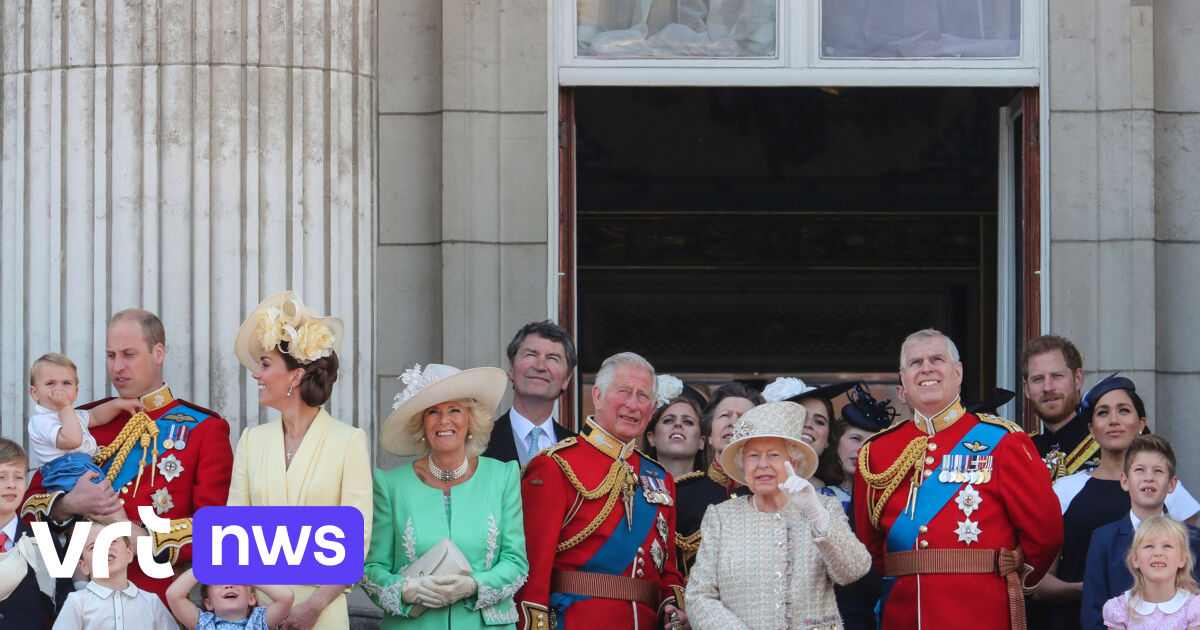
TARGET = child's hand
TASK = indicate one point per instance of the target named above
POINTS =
(62, 397)
(131, 405)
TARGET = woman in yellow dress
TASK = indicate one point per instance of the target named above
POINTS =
(305, 456)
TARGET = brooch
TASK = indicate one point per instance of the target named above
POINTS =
(161, 500)
(170, 467)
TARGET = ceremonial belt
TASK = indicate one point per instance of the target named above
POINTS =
(606, 586)
(1003, 562)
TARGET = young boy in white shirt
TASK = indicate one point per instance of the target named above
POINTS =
(112, 603)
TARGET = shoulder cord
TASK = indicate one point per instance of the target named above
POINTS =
(615, 482)
(883, 485)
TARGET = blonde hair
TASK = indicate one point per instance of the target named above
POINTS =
(479, 428)
(1149, 528)
(52, 358)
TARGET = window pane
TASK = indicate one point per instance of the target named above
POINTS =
(920, 28)
(676, 28)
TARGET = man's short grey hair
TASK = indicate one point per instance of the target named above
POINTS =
(928, 333)
(605, 376)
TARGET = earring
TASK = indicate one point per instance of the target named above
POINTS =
(290, 389)
(470, 435)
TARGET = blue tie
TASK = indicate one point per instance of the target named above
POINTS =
(531, 446)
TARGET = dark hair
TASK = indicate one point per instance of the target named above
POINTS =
(829, 465)
(545, 329)
(1087, 403)
(702, 455)
(319, 376)
(1050, 343)
(732, 389)
(152, 326)
(1150, 443)
(824, 400)
(11, 452)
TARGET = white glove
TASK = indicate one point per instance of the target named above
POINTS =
(420, 591)
(801, 494)
(453, 587)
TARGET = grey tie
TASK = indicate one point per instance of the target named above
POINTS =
(531, 446)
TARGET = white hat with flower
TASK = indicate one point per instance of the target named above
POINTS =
(282, 322)
(433, 385)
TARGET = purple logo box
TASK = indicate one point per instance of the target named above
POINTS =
(278, 545)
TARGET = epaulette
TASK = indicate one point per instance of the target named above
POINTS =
(887, 430)
(560, 445)
(649, 459)
(695, 474)
(1012, 427)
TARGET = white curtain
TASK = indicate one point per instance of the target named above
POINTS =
(920, 28)
(676, 28)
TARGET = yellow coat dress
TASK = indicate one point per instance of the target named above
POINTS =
(330, 467)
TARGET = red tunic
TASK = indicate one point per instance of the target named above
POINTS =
(195, 481)
(1015, 507)
(555, 512)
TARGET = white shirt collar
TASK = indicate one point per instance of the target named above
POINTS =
(522, 425)
(11, 529)
(1137, 522)
(103, 591)
(43, 411)
(1170, 607)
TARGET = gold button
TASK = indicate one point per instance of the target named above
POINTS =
(125, 490)
(641, 561)
(928, 472)
(922, 529)
(928, 461)
(924, 544)
(122, 501)
(931, 446)
(639, 573)
(640, 550)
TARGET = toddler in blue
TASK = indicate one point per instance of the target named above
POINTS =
(228, 606)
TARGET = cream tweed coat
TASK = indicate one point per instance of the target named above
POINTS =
(756, 570)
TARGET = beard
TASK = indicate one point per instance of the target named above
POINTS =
(1066, 412)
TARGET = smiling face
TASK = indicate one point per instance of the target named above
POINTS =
(677, 433)
(816, 424)
(624, 409)
(1160, 557)
(762, 460)
(134, 367)
(231, 602)
(1148, 481)
(725, 415)
(931, 377)
(275, 380)
(539, 369)
(446, 426)
(1051, 387)
(848, 446)
(12, 488)
(120, 554)
(1115, 421)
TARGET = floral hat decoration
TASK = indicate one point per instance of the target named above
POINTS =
(433, 385)
(781, 419)
(795, 390)
(282, 322)
(666, 387)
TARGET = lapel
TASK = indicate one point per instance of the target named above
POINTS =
(291, 487)
(503, 445)
(561, 433)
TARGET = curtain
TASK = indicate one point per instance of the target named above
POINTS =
(920, 28)
(676, 28)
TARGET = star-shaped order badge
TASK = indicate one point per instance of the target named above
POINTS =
(170, 468)
(658, 555)
(968, 531)
(161, 500)
(968, 499)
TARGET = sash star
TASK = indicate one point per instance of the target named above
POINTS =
(169, 467)
(968, 531)
(161, 500)
(968, 500)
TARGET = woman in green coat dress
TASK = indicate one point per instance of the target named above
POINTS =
(444, 416)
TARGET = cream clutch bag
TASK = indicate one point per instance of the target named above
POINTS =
(443, 559)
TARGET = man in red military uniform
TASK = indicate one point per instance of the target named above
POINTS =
(956, 509)
(186, 466)
(600, 518)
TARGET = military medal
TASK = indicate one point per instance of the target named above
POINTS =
(161, 500)
(169, 443)
(661, 523)
(170, 467)
(968, 531)
(181, 441)
(968, 500)
(944, 475)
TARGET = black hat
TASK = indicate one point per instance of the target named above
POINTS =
(1087, 404)
(994, 400)
(866, 414)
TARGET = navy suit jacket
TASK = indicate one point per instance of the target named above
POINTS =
(27, 608)
(1106, 575)
(502, 445)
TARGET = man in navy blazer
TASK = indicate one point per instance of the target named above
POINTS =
(1148, 478)
(541, 359)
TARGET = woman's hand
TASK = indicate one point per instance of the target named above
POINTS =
(421, 591)
(453, 587)
(801, 494)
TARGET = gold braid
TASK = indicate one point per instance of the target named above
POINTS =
(885, 483)
(137, 426)
(614, 482)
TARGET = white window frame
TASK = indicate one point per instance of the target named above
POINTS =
(798, 61)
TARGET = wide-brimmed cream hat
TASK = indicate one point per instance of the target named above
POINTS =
(784, 420)
(283, 317)
(434, 385)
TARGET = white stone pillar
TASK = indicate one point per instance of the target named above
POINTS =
(188, 157)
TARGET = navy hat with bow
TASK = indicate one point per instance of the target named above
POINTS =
(1087, 405)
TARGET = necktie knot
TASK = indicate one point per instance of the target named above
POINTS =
(531, 445)
(3, 542)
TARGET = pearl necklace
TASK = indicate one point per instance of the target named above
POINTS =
(446, 476)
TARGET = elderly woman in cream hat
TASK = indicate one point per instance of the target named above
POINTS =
(305, 456)
(771, 559)
(450, 508)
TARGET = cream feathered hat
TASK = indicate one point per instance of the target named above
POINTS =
(282, 322)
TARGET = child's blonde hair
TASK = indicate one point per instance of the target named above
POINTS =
(1150, 528)
(52, 358)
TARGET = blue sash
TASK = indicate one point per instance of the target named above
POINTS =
(619, 550)
(177, 415)
(935, 494)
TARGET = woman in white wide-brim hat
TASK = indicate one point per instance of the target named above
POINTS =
(771, 559)
(444, 417)
(305, 456)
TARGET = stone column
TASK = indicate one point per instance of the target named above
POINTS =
(189, 157)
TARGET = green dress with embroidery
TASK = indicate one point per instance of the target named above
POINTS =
(483, 517)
